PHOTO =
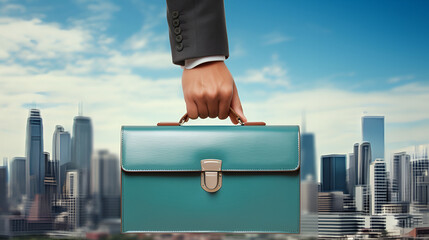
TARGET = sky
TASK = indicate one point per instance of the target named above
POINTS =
(332, 61)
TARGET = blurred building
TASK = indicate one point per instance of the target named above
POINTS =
(373, 132)
(362, 199)
(331, 202)
(35, 162)
(4, 207)
(51, 175)
(309, 196)
(364, 159)
(339, 225)
(17, 181)
(401, 178)
(352, 174)
(378, 186)
(308, 157)
(333, 173)
(394, 208)
(74, 203)
(105, 186)
(61, 153)
(420, 181)
(82, 142)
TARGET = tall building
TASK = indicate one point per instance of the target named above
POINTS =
(373, 132)
(420, 181)
(351, 174)
(308, 157)
(378, 186)
(333, 173)
(4, 207)
(35, 162)
(105, 187)
(331, 202)
(401, 178)
(61, 153)
(72, 199)
(364, 159)
(17, 180)
(82, 150)
(51, 174)
(362, 200)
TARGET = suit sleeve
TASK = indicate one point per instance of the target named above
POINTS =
(197, 29)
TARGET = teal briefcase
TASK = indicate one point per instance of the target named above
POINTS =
(232, 179)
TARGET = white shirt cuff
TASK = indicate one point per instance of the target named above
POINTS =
(193, 62)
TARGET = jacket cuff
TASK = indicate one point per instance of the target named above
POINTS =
(193, 62)
(197, 29)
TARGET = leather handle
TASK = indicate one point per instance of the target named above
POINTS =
(185, 118)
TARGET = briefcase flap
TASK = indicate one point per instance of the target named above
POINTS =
(181, 148)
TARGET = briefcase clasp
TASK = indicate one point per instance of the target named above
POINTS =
(211, 174)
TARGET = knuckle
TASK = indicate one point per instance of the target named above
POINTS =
(211, 95)
(198, 95)
(226, 92)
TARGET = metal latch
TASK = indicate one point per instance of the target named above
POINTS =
(211, 174)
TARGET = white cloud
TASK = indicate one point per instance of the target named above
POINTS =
(397, 79)
(270, 75)
(33, 39)
(100, 12)
(275, 38)
(12, 8)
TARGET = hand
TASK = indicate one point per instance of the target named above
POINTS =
(209, 91)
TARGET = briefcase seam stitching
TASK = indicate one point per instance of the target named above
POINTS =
(223, 170)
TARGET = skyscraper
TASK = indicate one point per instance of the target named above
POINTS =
(4, 208)
(308, 157)
(401, 177)
(82, 150)
(333, 175)
(378, 185)
(61, 153)
(364, 159)
(105, 185)
(351, 176)
(35, 164)
(17, 180)
(373, 132)
(72, 199)
(420, 181)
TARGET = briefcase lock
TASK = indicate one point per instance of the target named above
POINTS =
(211, 175)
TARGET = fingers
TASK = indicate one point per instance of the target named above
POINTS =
(203, 111)
(191, 109)
(236, 106)
(213, 108)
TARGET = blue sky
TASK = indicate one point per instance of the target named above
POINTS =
(334, 60)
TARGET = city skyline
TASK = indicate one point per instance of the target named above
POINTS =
(104, 168)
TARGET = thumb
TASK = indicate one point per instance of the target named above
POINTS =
(236, 106)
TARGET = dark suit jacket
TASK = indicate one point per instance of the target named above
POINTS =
(197, 29)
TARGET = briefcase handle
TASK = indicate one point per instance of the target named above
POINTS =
(185, 118)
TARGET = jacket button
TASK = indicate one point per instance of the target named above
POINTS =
(175, 14)
(176, 22)
(179, 47)
(177, 30)
(179, 38)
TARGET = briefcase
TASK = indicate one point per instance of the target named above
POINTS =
(231, 179)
